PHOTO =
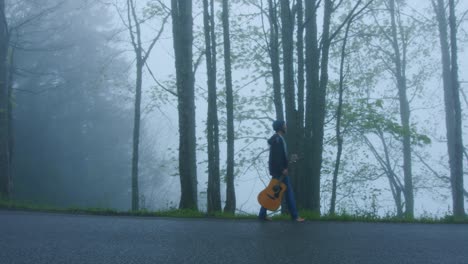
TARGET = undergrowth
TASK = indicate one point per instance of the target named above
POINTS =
(188, 213)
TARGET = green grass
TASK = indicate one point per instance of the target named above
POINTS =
(177, 213)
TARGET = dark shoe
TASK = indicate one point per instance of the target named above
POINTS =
(267, 219)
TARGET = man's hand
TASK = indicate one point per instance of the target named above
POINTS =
(285, 172)
(293, 158)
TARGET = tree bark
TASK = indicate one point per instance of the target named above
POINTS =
(395, 184)
(339, 112)
(452, 103)
(141, 57)
(213, 192)
(316, 93)
(458, 189)
(5, 168)
(309, 190)
(136, 42)
(230, 206)
(299, 175)
(300, 67)
(400, 75)
(287, 30)
(136, 134)
(274, 58)
(182, 24)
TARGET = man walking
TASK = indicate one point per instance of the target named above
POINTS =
(278, 166)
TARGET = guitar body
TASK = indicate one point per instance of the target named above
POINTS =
(271, 196)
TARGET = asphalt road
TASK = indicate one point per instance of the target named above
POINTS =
(42, 238)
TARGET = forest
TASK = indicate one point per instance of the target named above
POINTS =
(158, 104)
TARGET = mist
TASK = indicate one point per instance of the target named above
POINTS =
(73, 106)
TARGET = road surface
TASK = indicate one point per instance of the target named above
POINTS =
(46, 238)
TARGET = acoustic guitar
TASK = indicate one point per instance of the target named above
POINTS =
(272, 195)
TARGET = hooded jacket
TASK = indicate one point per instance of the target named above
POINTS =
(278, 160)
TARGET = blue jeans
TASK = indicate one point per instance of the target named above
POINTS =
(289, 200)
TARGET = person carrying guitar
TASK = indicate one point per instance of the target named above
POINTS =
(278, 166)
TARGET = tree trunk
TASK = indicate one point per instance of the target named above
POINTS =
(137, 46)
(141, 55)
(339, 111)
(136, 133)
(5, 168)
(452, 104)
(11, 67)
(458, 200)
(300, 67)
(287, 30)
(230, 206)
(400, 75)
(213, 192)
(274, 58)
(308, 192)
(316, 93)
(395, 184)
(182, 24)
(299, 175)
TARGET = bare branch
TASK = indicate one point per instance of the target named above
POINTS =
(337, 5)
(250, 82)
(156, 38)
(198, 61)
(37, 16)
(317, 5)
(462, 18)
(442, 177)
(132, 13)
(157, 82)
(351, 16)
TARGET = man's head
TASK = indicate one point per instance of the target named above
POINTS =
(279, 126)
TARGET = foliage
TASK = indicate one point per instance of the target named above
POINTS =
(177, 213)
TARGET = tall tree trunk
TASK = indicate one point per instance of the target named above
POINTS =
(5, 168)
(287, 28)
(137, 46)
(459, 203)
(274, 58)
(339, 112)
(316, 93)
(452, 103)
(287, 32)
(300, 67)
(136, 133)
(400, 75)
(213, 192)
(299, 176)
(182, 24)
(141, 56)
(230, 206)
(11, 67)
(308, 190)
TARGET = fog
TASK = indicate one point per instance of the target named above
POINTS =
(74, 90)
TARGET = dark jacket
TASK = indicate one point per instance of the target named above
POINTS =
(278, 160)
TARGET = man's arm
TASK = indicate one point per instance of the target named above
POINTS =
(284, 158)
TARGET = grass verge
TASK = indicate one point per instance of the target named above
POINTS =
(177, 213)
